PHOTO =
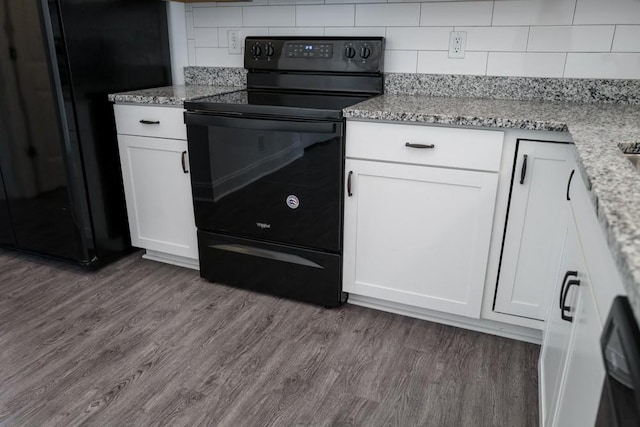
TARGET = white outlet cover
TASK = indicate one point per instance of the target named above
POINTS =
(457, 44)
(235, 41)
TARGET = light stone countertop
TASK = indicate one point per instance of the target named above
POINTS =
(170, 95)
(599, 132)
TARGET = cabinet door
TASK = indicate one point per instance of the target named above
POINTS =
(583, 376)
(605, 277)
(158, 195)
(557, 331)
(418, 235)
(532, 241)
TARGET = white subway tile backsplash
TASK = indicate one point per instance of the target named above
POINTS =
(534, 12)
(539, 38)
(206, 37)
(590, 38)
(269, 16)
(603, 65)
(217, 57)
(286, 2)
(496, 38)
(355, 31)
(627, 39)
(438, 62)
(223, 34)
(242, 3)
(217, 17)
(191, 52)
(456, 13)
(418, 38)
(525, 64)
(189, 24)
(380, 15)
(607, 12)
(296, 31)
(353, 1)
(400, 61)
(337, 15)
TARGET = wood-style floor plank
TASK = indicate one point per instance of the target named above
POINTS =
(143, 343)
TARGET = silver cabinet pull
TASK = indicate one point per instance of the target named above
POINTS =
(412, 145)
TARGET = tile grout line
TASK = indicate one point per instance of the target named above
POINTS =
(493, 8)
(615, 30)
(486, 65)
(355, 10)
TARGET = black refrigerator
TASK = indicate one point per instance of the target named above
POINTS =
(61, 191)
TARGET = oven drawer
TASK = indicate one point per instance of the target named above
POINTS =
(428, 145)
(143, 120)
(301, 274)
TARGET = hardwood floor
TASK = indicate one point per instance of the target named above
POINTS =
(143, 343)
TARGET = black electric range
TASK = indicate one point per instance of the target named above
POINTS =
(267, 165)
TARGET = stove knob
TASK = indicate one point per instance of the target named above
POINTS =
(349, 52)
(365, 52)
(270, 50)
(256, 50)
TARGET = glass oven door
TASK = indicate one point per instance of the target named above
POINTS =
(278, 180)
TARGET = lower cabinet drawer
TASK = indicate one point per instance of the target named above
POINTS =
(154, 121)
(425, 145)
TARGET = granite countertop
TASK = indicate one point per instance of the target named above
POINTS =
(170, 95)
(599, 131)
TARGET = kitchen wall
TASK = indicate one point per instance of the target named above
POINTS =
(533, 38)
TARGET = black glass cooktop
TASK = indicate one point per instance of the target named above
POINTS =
(309, 105)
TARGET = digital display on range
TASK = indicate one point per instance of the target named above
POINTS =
(309, 50)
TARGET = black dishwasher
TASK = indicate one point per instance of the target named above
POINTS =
(620, 343)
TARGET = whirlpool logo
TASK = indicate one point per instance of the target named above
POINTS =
(263, 225)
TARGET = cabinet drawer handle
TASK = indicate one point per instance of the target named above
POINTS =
(412, 145)
(523, 173)
(150, 122)
(564, 282)
(184, 162)
(564, 306)
(349, 193)
(569, 184)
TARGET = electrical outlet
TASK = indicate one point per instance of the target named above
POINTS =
(457, 44)
(235, 45)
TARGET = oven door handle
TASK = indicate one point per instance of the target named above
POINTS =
(197, 119)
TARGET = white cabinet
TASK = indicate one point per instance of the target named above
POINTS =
(535, 225)
(581, 384)
(557, 331)
(571, 367)
(416, 234)
(157, 185)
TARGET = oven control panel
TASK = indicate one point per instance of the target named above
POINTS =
(309, 50)
(341, 54)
